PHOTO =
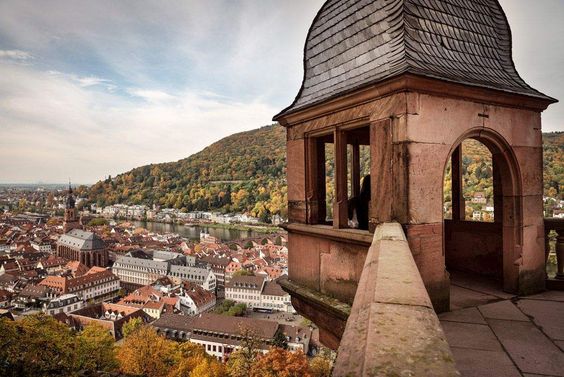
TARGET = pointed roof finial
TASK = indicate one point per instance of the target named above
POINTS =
(70, 187)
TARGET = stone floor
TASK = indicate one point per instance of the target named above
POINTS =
(492, 333)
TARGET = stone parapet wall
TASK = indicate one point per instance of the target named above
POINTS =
(392, 329)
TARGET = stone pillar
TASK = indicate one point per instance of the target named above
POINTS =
(355, 165)
(340, 211)
(388, 176)
(458, 202)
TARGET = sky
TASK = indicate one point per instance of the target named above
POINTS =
(95, 88)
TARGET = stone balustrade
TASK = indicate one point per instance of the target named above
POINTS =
(555, 226)
(392, 329)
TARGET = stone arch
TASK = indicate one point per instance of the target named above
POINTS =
(507, 230)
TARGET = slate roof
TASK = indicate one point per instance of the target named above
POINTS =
(254, 283)
(355, 43)
(82, 240)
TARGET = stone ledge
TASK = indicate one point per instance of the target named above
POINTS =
(329, 314)
(392, 329)
(360, 237)
(328, 304)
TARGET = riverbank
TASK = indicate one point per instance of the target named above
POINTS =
(264, 229)
(224, 232)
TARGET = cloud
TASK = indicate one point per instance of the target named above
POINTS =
(17, 55)
(91, 81)
(53, 127)
(154, 96)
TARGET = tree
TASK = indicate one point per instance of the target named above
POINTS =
(192, 360)
(146, 353)
(130, 326)
(241, 361)
(95, 350)
(281, 363)
(98, 222)
(37, 345)
(320, 366)
(243, 272)
(209, 368)
(280, 340)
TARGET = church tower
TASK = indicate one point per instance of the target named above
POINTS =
(71, 218)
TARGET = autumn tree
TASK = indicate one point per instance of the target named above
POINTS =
(130, 326)
(241, 361)
(95, 350)
(209, 368)
(37, 345)
(144, 352)
(191, 360)
(320, 366)
(281, 363)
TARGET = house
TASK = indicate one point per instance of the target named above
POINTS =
(63, 304)
(258, 293)
(195, 300)
(231, 268)
(218, 265)
(219, 335)
(98, 284)
(479, 198)
(152, 300)
(52, 264)
(201, 276)
(5, 298)
(42, 245)
(298, 338)
(75, 268)
(112, 317)
(32, 296)
(245, 289)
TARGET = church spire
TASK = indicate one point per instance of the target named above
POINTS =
(70, 198)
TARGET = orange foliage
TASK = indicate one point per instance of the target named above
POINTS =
(281, 363)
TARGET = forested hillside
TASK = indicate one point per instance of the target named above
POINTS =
(246, 172)
(553, 145)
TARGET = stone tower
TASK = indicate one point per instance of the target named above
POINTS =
(409, 81)
(71, 217)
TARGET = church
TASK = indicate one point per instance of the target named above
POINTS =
(78, 244)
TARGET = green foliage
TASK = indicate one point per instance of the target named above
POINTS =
(243, 272)
(553, 149)
(131, 326)
(95, 349)
(230, 308)
(38, 345)
(280, 340)
(99, 221)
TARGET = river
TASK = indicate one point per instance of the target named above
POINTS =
(193, 231)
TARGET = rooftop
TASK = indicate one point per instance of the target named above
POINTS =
(82, 240)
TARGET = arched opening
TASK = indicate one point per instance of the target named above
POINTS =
(482, 236)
